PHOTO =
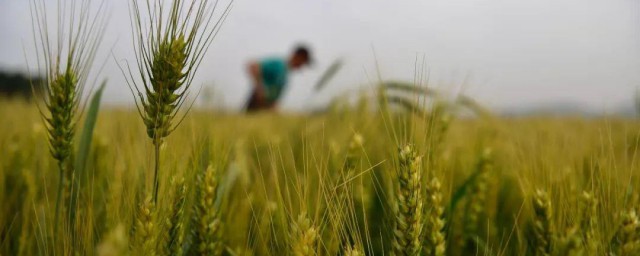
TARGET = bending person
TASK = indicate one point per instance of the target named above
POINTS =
(270, 76)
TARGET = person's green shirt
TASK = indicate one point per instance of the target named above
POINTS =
(274, 77)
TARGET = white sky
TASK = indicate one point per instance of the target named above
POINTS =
(511, 52)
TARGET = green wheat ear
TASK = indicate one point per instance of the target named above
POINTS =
(408, 205)
(66, 60)
(208, 237)
(627, 239)
(167, 78)
(168, 53)
(61, 122)
(145, 229)
(589, 222)
(174, 230)
(61, 127)
(353, 251)
(114, 243)
(435, 244)
(304, 236)
(542, 224)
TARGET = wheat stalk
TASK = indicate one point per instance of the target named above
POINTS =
(174, 226)
(145, 229)
(349, 196)
(353, 251)
(168, 53)
(571, 243)
(66, 59)
(542, 226)
(434, 236)
(114, 243)
(589, 222)
(208, 230)
(408, 205)
(477, 201)
(303, 236)
(627, 238)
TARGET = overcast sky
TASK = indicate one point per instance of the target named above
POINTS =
(507, 53)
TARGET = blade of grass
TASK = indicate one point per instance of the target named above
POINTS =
(408, 88)
(87, 131)
(84, 148)
(328, 74)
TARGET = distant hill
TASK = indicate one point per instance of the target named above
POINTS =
(627, 111)
(567, 109)
(19, 85)
(554, 109)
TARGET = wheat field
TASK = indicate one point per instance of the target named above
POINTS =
(386, 176)
(348, 182)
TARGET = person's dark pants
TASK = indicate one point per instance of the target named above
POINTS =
(254, 104)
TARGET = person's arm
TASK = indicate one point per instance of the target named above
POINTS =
(258, 86)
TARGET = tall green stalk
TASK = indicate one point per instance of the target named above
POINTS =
(156, 170)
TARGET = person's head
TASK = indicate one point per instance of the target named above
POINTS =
(300, 57)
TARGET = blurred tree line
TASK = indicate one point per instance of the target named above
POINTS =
(13, 85)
